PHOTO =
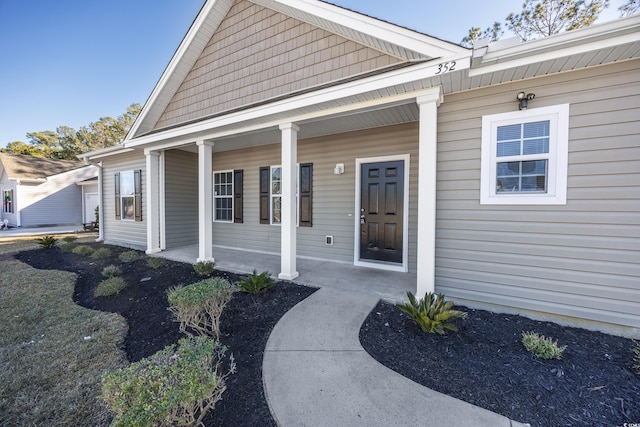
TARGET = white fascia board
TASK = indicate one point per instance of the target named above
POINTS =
(181, 135)
(600, 36)
(506, 63)
(186, 45)
(107, 152)
(412, 40)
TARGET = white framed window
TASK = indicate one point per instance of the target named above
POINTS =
(127, 195)
(276, 195)
(525, 156)
(223, 196)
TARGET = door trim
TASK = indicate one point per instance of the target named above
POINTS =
(404, 267)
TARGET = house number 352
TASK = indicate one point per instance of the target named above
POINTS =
(445, 67)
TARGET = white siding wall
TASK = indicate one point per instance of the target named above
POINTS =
(181, 198)
(333, 195)
(125, 233)
(579, 260)
(55, 201)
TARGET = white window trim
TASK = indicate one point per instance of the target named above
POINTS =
(558, 116)
(271, 195)
(233, 205)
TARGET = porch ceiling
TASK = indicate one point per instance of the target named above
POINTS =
(403, 112)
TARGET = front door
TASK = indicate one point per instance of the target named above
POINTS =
(381, 213)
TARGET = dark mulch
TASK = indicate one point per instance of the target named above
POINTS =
(245, 326)
(485, 364)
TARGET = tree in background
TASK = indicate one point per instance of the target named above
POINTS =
(66, 143)
(630, 8)
(542, 18)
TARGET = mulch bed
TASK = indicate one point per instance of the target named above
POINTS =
(245, 325)
(485, 364)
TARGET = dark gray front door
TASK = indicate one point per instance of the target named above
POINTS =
(382, 203)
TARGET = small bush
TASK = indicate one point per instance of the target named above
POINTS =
(47, 242)
(636, 357)
(110, 286)
(128, 256)
(199, 306)
(155, 263)
(176, 386)
(111, 271)
(541, 346)
(66, 246)
(69, 239)
(83, 250)
(431, 313)
(203, 268)
(256, 283)
(101, 253)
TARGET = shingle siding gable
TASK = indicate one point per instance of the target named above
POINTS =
(258, 54)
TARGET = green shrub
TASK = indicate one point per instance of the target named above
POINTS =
(256, 283)
(66, 246)
(199, 306)
(111, 271)
(69, 239)
(128, 256)
(83, 250)
(47, 242)
(203, 268)
(636, 357)
(155, 263)
(101, 253)
(176, 386)
(110, 286)
(431, 313)
(541, 346)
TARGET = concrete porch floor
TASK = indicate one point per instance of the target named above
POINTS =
(387, 285)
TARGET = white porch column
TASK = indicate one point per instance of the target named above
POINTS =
(205, 200)
(153, 201)
(428, 103)
(288, 248)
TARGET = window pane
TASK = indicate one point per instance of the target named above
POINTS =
(128, 211)
(506, 133)
(528, 176)
(277, 210)
(536, 146)
(508, 149)
(224, 209)
(536, 129)
(276, 188)
(126, 184)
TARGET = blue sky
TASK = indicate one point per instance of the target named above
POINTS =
(70, 62)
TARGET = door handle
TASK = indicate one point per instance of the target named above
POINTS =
(362, 219)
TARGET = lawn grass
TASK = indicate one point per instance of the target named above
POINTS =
(50, 370)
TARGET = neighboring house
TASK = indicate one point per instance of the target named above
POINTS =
(37, 192)
(299, 128)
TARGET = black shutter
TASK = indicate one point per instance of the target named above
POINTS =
(306, 194)
(265, 182)
(116, 184)
(137, 183)
(237, 195)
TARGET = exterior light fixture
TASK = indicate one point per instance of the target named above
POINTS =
(339, 169)
(523, 99)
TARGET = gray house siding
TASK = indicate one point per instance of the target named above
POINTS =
(181, 198)
(579, 259)
(56, 201)
(131, 234)
(333, 195)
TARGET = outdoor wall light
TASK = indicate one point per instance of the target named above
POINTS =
(339, 169)
(523, 99)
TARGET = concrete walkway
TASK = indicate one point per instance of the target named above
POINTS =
(316, 373)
